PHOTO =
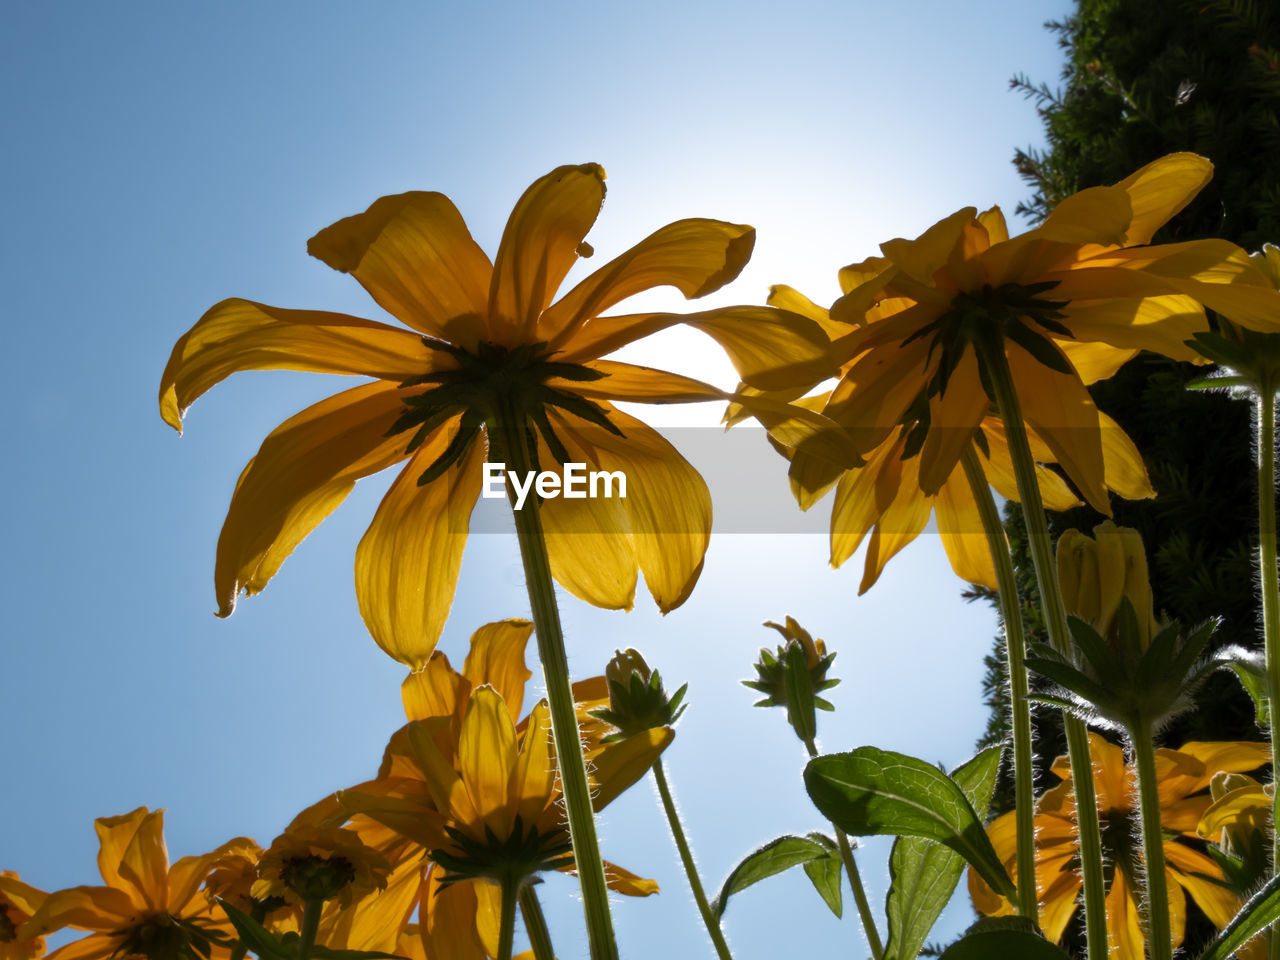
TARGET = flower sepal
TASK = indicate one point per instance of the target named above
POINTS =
(638, 701)
(793, 675)
(519, 857)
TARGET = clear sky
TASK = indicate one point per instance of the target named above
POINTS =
(162, 156)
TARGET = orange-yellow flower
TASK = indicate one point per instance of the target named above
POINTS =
(18, 901)
(1066, 304)
(480, 335)
(148, 908)
(1183, 778)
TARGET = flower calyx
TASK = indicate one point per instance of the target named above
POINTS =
(517, 858)
(793, 676)
(638, 701)
(488, 386)
(165, 937)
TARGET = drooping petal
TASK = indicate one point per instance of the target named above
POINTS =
(997, 464)
(415, 256)
(1123, 469)
(541, 242)
(1060, 410)
(496, 657)
(92, 947)
(854, 511)
(304, 469)
(788, 298)
(437, 690)
(448, 791)
(400, 804)
(877, 389)
(1093, 215)
(1160, 190)
(408, 560)
(695, 256)
(618, 765)
(88, 908)
(960, 526)
(1124, 924)
(667, 504)
(901, 520)
(487, 758)
(1196, 873)
(621, 880)
(449, 920)
(953, 416)
(237, 335)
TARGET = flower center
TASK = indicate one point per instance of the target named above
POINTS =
(164, 937)
(518, 857)
(494, 384)
(317, 878)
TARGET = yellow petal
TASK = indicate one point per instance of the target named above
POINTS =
(1094, 215)
(854, 511)
(449, 920)
(539, 245)
(997, 464)
(1094, 361)
(921, 258)
(627, 381)
(487, 759)
(375, 920)
(1161, 324)
(953, 416)
(865, 271)
(86, 908)
(620, 764)
(960, 526)
(1196, 874)
(1177, 778)
(496, 657)
(114, 836)
(1057, 406)
(994, 223)
(535, 774)
(400, 804)
(304, 469)
(668, 507)
(437, 690)
(145, 863)
(1124, 925)
(448, 791)
(414, 255)
(621, 880)
(901, 520)
(695, 256)
(788, 298)
(1160, 190)
(237, 335)
(408, 560)
(878, 388)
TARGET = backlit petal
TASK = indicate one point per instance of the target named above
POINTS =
(627, 381)
(900, 522)
(921, 258)
(1196, 873)
(487, 758)
(953, 416)
(997, 464)
(146, 862)
(415, 256)
(622, 763)
(237, 335)
(449, 919)
(375, 920)
(960, 526)
(540, 243)
(621, 880)
(87, 908)
(1124, 924)
(535, 775)
(408, 560)
(496, 657)
(695, 256)
(114, 836)
(1160, 190)
(437, 690)
(1161, 324)
(854, 511)
(304, 469)
(1094, 215)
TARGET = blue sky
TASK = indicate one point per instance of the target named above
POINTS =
(164, 156)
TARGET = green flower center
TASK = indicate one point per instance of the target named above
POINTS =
(518, 857)
(317, 878)
(493, 384)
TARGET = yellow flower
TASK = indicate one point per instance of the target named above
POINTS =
(882, 496)
(1066, 303)
(148, 908)
(1096, 572)
(483, 336)
(18, 901)
(1241, 807)
(1183, 776)
(319, 862)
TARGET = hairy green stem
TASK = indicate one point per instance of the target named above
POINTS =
(535, 924)
(510, 434)
(1159, 937)
(855, 881)
(1270, 596)
(507, 918)
(991, 355)
(690, 868)
(312, 908)
(1019, 707)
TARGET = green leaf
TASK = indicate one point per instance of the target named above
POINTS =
(873, 791)
(825, 874)
(774, 857)
(1249, 668)
(923, 873)
(1254, 917)
(1009, 938)
(256, 938)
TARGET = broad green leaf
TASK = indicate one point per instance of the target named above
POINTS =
(256, 938)
(874, 791)
(923, 873)
(774, 857)
(1254, 917)
(825, 874)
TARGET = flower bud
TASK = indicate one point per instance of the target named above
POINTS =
(793, 676)
(637, 699)
(1096, 572)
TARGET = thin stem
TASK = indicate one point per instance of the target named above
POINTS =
(535, 924)
(510, 432)
(855, 881)
(1270, 593)
(991, 355)
(507, 919)
(312, 908)
(1019, 708)
(1159, 938)
(709, 919)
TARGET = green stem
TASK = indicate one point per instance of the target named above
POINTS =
(991, 355)
(855, 881)
(507, 919)
(535, 924)
(709, 919)
(1270, 594)
(1159, 937)
(1019, 708)
(510, 433)
(312, 908)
